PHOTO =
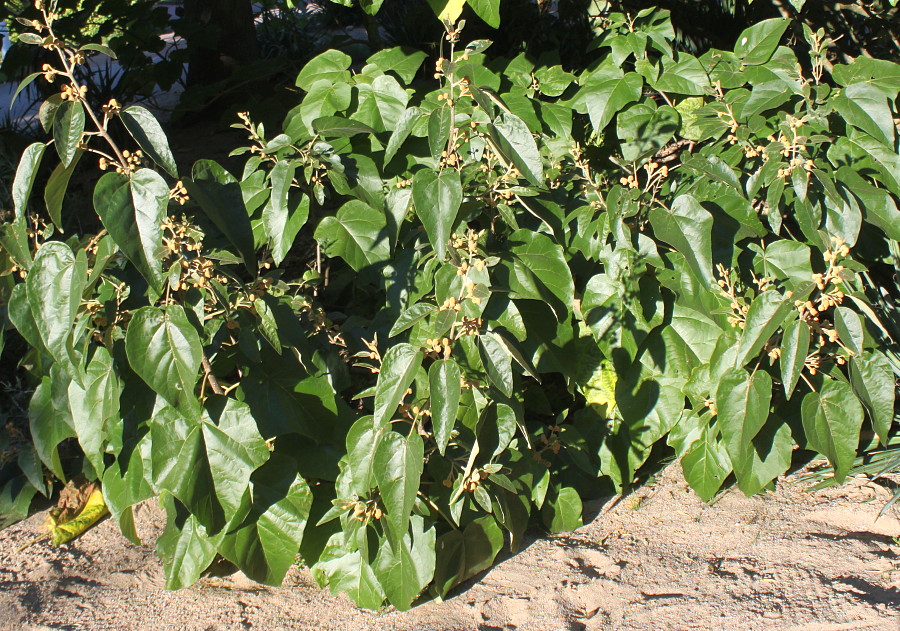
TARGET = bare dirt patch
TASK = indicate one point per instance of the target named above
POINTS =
(657, 560)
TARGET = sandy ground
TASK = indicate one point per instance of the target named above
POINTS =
(657, 560)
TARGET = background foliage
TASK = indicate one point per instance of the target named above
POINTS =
(455, 292)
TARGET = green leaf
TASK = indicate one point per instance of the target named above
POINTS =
(405, 570)
(687, 228)
(849, 326)
(398, 369)
(643, 130)
(265, 546)
(410, 316)
(68, 127)
(607, 96)
(352, 574)
(832, 419)
(55, 191)
(163, 348)
(55, 284)
(439, 125)
(866, 107)
(873, 381)
(540, 270)
(706, 465)
(398, 471)
(206, 460)
(716, 169)
(381, 103)
(149, 135)
(517, 145)
(444, 381)
(487, 10)
(358, 234)
(185, 547)
(49, 419)
(324, 98)
(463, 554)
(338, 127)
(363, 440)
(885, 160)
(280, 221)
(564, 512)
(686, 76)
(437, 198)
(330, 66)
(768, 311)
(757, 44)
(405, 125)
(132, 209)
(99, 48)
(95, 405)
(794, 348)
(24, 83)
(26, 173)
(497, 362)
(742, 402)
(401, 60)
(219, 195)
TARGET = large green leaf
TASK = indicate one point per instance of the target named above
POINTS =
(149, 135)
(563, 513)
(381, 103)
(332, 66)
(688, 228)
(340, 127)
(497, 362)
(55, 284)
(767, 313)
(281, 222)
(437, 198)
(94, 405)
(540, 270)
(405, 125)
(325, 98)
(49, 419)
(757, 44)
(461, 554)
(55, 191)
(706, 465)
(444, 381)
(794, 348)
(742, 401)
(604, 96)
(26, 173)
(517, 145)
(362, 443)
(832, 419)
(132, 209)
(206, 460)
(127, 482)
(873, 381)
(398, 369)
(68, 127)
(219, 195)
(398, 471)
(185, 547)
(866, 107)
(403, 61)
(265, 546)
(487, 10)
(163, 348)
(405, 570)
(351, 573)
(644, 130)
(357, 233)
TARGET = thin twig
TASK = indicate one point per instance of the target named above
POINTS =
(210, 377)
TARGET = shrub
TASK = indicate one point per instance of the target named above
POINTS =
(519, 286)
